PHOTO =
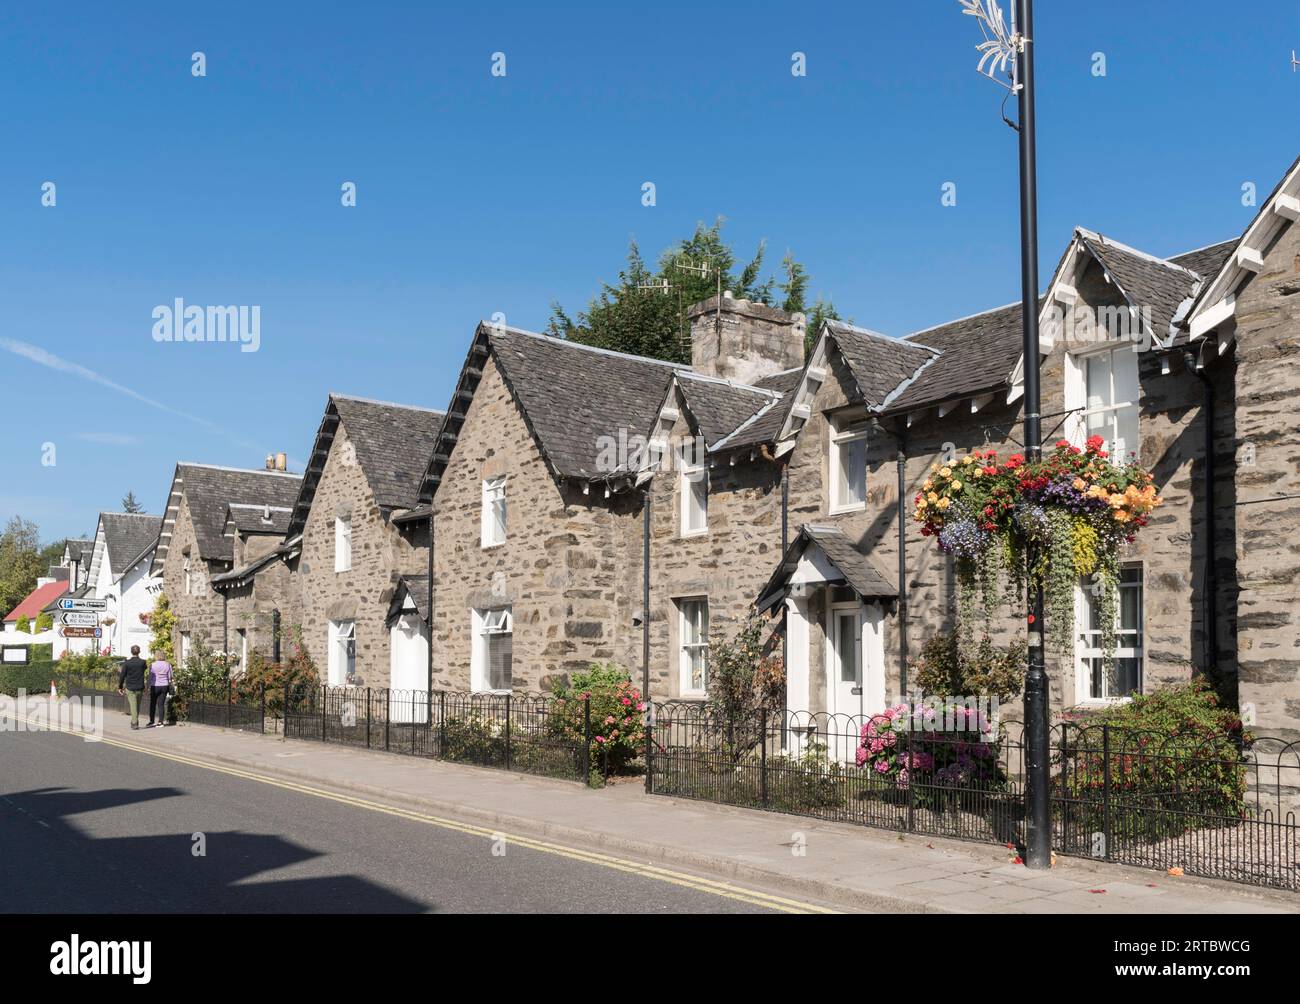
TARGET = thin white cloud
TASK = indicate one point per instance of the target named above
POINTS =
(108, 438)
(38, 355)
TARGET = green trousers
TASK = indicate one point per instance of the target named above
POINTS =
(133, 702)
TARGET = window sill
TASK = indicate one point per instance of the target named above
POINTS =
(491, 547)
(1102, 702)
(693, 695)
(841, 510)
(687, 534)
(492, 693)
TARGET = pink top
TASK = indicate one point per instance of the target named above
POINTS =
(160, 674)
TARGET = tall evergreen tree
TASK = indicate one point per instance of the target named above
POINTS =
(644, 311)
(129, 504)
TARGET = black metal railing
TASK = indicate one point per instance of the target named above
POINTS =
(1206, 805)
(524, 733)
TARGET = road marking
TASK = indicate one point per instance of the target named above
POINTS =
(682, 879)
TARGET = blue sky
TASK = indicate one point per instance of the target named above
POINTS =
(479, 194)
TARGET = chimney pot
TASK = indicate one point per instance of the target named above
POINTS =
(270, 462)
(281, 462)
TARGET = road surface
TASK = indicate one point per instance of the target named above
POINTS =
(89, 827)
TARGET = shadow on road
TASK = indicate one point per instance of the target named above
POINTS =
(53, 866)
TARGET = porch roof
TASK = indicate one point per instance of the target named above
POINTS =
(856, 569)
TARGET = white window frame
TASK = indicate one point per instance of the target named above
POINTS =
(186, 572)
(243, 649)
(493, 527)
(340, 633)
(693, 490)
(484, 624)
(1076, 397)
(185, 647)
(343, 543)
(1086, 649)
(689, 651)
(836, 650)
(840, 441)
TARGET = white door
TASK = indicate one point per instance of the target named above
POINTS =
(409, 669)
(844, 699)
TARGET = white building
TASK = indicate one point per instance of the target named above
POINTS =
(119, 573)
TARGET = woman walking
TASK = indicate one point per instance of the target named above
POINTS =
(160, 679)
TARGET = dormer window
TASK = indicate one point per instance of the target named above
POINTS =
(848, 467)
(493, 515)
(693, 490)
(1102, 389)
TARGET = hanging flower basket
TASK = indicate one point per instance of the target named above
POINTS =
(1077, 507)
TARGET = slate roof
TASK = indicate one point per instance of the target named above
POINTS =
(1145, 281)
(858, 570)
(572, 394)
(392, 443)
(1207, 260)
(976, 353)
(880, 365)
(414, 586)
(720, 407)
(783, 382)
(127, 536)
(209, 491)
(250, 519)
(78, 549)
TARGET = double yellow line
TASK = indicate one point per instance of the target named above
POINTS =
(686, 881)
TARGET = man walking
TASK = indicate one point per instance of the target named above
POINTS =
(132, 679)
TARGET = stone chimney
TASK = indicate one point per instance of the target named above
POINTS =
(752, 341)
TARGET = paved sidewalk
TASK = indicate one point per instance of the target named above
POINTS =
(856, 867)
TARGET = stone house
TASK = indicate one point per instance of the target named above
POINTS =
(257, 595)
(198, 541)
(351, 543)
(119, 573)
(793, 489)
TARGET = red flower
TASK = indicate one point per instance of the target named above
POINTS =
(1095, 443)
(1061, 443)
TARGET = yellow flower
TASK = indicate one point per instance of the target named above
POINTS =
(933, 497)
(943, 503)
(946, 472)
(968, 459)
(956, 485)
(1120, 516)
(1080, 484)
(978, 472)
(929, 483)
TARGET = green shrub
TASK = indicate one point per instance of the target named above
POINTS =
(991, 671)
(41, 653)
(474, 738)
(34, 678)
(617, 716)
(1175, 763)
(205, 672)
(298, 675)
(44, 622)
(24, 625)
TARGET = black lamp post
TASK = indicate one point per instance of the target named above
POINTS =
(1000, 49)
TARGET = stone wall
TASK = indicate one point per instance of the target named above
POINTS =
(1267, 449)
(199, 612)
(380, 555)
(558, 569)
(728, 565)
